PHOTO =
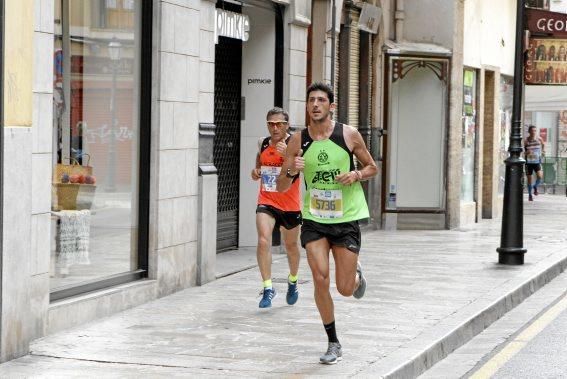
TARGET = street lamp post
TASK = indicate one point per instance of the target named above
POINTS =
(114, 50)
(511, 250)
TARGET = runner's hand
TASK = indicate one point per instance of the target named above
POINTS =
(298, 163)
(347, 178)
(256, 174)
(281, 147)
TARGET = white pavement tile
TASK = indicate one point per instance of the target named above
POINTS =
(419, 283)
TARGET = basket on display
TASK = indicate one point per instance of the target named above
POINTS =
(66, 196)
(74, 186)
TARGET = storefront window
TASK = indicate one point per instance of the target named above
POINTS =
(469, 135)
(541, 4)
(96, 140)
(506, 98)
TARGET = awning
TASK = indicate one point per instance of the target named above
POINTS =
(415, 48)
(545, 98)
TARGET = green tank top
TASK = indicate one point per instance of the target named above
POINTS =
(325, 200)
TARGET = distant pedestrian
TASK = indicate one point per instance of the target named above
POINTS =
(334, 202)
(534, 149)
(276, 209)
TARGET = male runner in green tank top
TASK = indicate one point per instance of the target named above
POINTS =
(333, 203)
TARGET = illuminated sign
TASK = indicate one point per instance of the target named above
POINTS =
(231, 25)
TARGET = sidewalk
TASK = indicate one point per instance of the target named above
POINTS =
(429, 292)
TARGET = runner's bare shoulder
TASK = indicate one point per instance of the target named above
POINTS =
(352, 136)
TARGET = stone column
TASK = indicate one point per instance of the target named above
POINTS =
(208, 180)
(24, 263)
(455, 155)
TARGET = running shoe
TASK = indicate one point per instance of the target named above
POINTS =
(268, 295)
(530, 198)
(359, 292)
(333, 355)
(292, 293)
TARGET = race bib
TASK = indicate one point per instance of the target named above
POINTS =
(533, 156)
(326, 203)
(269, 177)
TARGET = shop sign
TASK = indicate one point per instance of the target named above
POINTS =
(259, 81)
(546, 61)
(370, 17)
(543, 134)
(231, 25)
(552, 24)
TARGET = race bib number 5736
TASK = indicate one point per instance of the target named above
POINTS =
(326, 203)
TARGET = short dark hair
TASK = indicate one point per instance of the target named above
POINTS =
(319, 86)
(531, 127)
(277, 110)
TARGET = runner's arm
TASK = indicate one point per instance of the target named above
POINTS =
(355, 142)
(256, 174)
(284, 182)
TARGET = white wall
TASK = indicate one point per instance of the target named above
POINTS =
(558, 6)
(429, 22)
(258, 62)
(489, 34)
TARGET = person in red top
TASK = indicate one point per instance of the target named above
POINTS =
(276, 209)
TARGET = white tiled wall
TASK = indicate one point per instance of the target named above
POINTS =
(185, 99)
(297, 76)
(41, 159)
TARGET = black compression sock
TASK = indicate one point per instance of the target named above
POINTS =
(331, 332)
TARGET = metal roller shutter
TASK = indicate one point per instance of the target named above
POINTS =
(226, 150)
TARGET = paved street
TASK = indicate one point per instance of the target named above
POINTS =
(423, 287)
(528, 342)
(544, 356)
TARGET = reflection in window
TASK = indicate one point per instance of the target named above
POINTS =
(95, 147)
(506, 99)
(468, 135)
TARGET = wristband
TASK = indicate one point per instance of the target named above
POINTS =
(290, 175)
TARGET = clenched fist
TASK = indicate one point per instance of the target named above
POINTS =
(256, 174)
(281, 147)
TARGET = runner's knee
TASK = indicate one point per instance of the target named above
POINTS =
(263, 242)
(345, 289)
(321, 280)
(291, 246)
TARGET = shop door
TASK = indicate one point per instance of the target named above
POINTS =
(416, 139)
(228, 67)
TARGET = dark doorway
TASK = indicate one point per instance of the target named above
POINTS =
(228, 71)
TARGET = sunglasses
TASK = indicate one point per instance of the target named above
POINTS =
(277, 124)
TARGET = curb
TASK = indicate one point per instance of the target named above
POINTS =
(463, 325)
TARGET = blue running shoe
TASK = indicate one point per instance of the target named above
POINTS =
(292, 293)
(267, 295)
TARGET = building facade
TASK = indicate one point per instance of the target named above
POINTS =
(121, 119)
(445, 101)
(130, 127)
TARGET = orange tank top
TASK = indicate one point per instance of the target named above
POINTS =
(271, 163)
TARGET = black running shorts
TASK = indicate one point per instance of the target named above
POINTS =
(346, 234)
(532, 167)
(288, 220)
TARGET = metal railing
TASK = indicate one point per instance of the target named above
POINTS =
(554, 173)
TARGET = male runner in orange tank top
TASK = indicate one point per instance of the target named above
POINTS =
(276, 209)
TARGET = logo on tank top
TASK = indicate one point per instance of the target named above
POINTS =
(325, 176)
(323, 158)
